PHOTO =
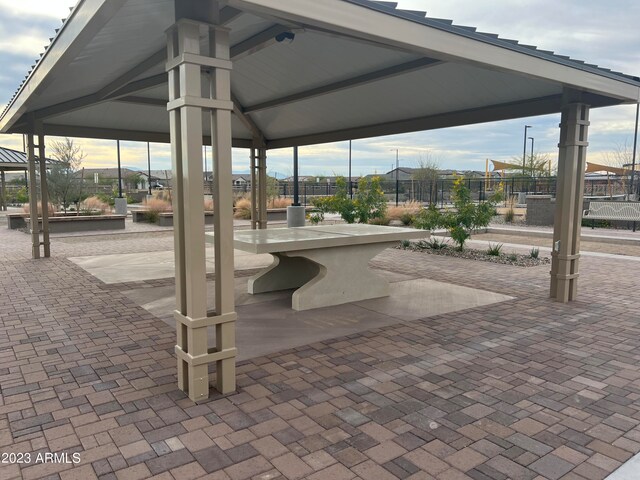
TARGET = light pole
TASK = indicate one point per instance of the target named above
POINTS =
(397, 178)
(633, 157)
(524, 149)
(532, 140)
(149, 166)
(119, 171)
(350, 188)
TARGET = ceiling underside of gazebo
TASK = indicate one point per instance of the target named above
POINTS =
(354, 69)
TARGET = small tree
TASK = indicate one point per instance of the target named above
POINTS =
(64, 182)
(426, 178)
(369, 202)
(464, 218)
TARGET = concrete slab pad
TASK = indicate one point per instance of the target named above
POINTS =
(267, 324)
(414, 299)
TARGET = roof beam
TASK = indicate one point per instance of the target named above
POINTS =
(248, 121)
(345, 84)
(150, 62)
(156, 102)
(118, 134)
(490, 113)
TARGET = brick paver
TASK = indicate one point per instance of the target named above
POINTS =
(522, 389)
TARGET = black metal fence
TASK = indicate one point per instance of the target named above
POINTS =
(439, 191)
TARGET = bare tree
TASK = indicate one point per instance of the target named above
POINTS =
(64, 183)
(426, 177)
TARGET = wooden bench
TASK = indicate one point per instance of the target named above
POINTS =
(621, 211)
(327, 264)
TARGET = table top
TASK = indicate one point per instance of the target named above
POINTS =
(322, 236)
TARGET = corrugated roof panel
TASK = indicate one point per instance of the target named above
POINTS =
(134, 33)
(438, 89)
(312, 59)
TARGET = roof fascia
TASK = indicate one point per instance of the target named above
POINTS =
(86, 19)
(59, 130)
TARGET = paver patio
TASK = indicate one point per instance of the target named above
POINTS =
(523, 389)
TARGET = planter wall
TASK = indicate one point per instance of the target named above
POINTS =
(88, 223)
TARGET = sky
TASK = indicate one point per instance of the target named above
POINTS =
(604, 33)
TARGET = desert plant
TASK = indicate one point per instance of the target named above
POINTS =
(434, 243)
(243, 208)
(405, 244)
(279, 202)
(369, 201)
(156, 206)
(512, 257)
(407, 218)
(464, 218)
(26, 208)
(534, 252)
(94, 206)
(494, 249)
(21, 196)
(315, 217)
(510, 215)
(384, 220)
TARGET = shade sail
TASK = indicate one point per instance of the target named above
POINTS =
(304, 72)
(594, 167)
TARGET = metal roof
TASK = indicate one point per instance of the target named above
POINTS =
(355, 68)
(15, 160)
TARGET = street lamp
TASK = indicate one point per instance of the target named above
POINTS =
(524, 148)
(397, 179)
(532, 140)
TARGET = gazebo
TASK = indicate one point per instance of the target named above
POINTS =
(264, 74)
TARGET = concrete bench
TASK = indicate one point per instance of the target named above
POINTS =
(625, 211)
(327, 264)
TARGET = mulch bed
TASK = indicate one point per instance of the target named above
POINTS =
(517, 259)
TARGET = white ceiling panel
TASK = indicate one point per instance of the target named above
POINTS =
(431, 91)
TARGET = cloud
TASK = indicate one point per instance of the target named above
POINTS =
(604, 33)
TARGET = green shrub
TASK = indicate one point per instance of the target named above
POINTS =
(512, 257)
(407, 218)
(534, 252)
(464, 218)
(435, 243)
(494, 250)
(380, 220)
(405, 244)
(369, 201)
(510, 215)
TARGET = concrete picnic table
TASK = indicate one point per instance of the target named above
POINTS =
(327, 264)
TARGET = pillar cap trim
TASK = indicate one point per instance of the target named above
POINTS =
(208, 103)
(194, 59)
(212, 355)
(208, 321)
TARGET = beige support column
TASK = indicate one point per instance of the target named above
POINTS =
(262, 188)
(565, 256)
(44, 196)
(220, 90)
(184, 66)
(254, 191)
(3, 189)
(33, 198)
